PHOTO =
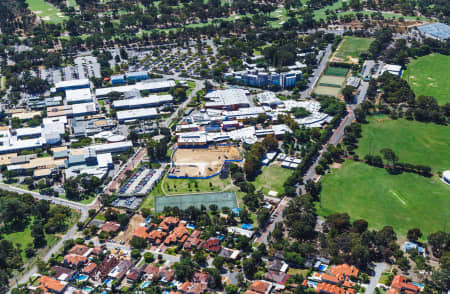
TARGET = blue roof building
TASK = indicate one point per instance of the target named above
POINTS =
(117, 79)
(137, 76)
(436, 30)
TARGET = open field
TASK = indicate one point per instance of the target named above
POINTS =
(272, 178)
(429, 76)
(413, 142)
(225, 199)
(202, 162)
(350, 49)
(324, 90)
(46, 11)
(402, 201)
(331, 80)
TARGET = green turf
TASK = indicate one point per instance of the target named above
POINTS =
(181, 186)
(336, 71)
(46, 11)
(353, 46)
(221, 199)
(402, 201)
(429, 75)
(412, 141)
(272, 178)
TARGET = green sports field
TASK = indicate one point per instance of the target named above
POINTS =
(46, 11)
(336, 71)
(272, 178)
(412, 141)
(429, 76)
(353, 47)
(402, 201)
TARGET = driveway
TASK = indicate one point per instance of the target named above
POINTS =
(379, 269)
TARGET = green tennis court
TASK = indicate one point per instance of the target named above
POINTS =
(336, 71)
(221, 199)
(331, 81)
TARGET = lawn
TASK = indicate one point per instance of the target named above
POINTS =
(272, 178)
(412, 141)
(353, 47)
(46, 11)
(186, 186)
(402, 201)
(429, 75)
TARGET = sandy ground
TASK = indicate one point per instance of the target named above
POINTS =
(203, 162)
(132, 225)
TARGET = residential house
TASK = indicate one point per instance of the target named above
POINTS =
(135, 273)
(177, 236)
(89, 268)
(119, 271)
(74, 260)
(344, 271)
(326, 288)
(400, 284)
(104, 268)
(229, 253)
(212, 245)
(259, 287)
(166, 275)
(47, 284)
(62, 273)
(193, 241)
(276, 277)
(277, 265)
(157, 237)
(152, 272)
(80, 249)
(192, 288)
(110, 227)
(169, 223)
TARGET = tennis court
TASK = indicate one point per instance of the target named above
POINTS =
(331, 81)
(221, 199)
(336, 71)
(327, 91)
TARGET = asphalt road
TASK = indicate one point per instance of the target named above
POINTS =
(379, 269)
(317, 73)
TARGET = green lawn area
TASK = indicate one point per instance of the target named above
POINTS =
(412, 141)
(272, 178)
(186, 186)
(402, 201)
(429, 75)
(320, 13)
(46, 11)
(353, 46)
(84, 201)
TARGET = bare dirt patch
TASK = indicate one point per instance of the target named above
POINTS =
(202, 162)
(336, 165)
(126, 236)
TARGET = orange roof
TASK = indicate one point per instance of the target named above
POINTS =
(329, 278)
(329, 289)
(89, 268)
(344, 270)
(141, 232)
(79, 249)
(74, 259)
(259, 286)
(392, 291)
(47, 283)
(168, 222)
(351, 291)
(400, 283)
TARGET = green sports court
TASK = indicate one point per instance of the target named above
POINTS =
(221, 199)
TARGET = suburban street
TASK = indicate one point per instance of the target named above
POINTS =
(317, 73)
(379, 269)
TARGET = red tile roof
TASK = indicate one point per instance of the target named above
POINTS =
(75, 260)
(79, 249)
(343, 271)
(49, 284)
(110, 227)
(400, 283)
(329, 289)
(141, 232)
(260, 286)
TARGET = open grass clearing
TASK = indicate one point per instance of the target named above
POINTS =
(402, 201)
(352, 47)
(46, 11)
(272, 178)
(331, 80)
(429, 76)
(413, 142)
(186, 186)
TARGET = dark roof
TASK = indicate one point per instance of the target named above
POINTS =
(275, 265)
(60, 271)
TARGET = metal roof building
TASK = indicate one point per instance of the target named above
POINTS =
(153, 100)
(435, 30)
(72, 84)
(142, 113)
(152, 86)
(78, 96)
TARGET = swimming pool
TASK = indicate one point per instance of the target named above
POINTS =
(145, 284)
(322, 267)
(88, 289)
(82, 278)
(108, 282)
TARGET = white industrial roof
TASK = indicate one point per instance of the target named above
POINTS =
(48, 120)
(141, 86)
(136, 113)
(78, 95)
(110, 146)
(152, 99)
(227, 97)
(83, 108)
(72, 83)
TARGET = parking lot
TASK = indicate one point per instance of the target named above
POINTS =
(141, 182)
